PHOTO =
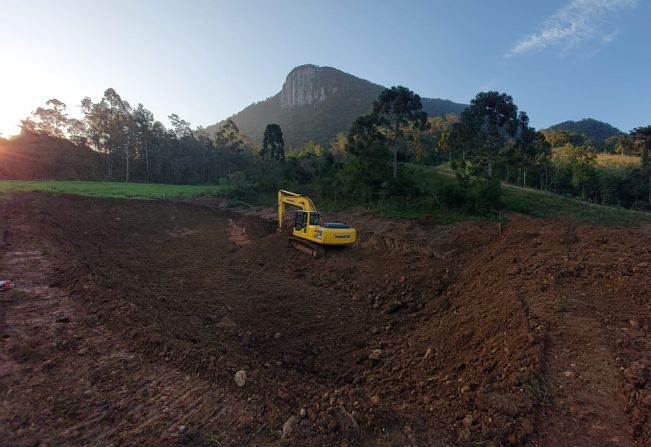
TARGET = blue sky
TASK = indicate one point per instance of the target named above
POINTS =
(205, 60)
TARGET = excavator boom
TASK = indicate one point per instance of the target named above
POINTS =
(303, 202)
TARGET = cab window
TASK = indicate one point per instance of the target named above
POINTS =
(300, 220)
(315, 218)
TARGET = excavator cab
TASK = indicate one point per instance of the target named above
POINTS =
(305, 218)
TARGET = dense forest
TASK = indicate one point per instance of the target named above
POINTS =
(489, 143)
(115, 141)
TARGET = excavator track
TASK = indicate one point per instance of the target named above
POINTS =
(307, 247)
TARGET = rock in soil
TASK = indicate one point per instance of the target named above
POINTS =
(240, 378)
(347, 423)
(289, 425)
(376, 354)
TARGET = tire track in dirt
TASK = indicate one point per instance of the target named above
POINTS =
(67, 380)
(581, 382)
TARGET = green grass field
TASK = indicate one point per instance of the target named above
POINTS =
(430, 180)
(110, 189)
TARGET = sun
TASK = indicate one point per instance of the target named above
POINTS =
(7, 130)
(12, 110)
(21, 91)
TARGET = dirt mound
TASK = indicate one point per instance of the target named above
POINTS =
(414, 336)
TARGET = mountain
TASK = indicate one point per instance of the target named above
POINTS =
(315, 103)
(593, 129)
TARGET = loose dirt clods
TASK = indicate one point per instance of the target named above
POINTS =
(131, 322)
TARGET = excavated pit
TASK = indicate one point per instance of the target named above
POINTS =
(129, 326)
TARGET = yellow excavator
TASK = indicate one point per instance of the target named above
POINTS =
(309, 234)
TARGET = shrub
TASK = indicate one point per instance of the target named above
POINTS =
(454, 197)
(489, 196)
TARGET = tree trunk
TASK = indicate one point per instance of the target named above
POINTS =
(524, 175)
(126, 177)
(395, 162)
(147, 159)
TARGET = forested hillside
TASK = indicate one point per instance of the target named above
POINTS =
(35, 156)
(596, 131)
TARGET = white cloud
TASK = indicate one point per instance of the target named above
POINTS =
(607, 38)
(577, 22)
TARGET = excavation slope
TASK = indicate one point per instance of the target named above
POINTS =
(130, 319)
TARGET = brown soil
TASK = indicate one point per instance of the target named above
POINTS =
(129, 320)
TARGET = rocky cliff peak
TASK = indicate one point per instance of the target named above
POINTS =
(307, 84)
(317, 102)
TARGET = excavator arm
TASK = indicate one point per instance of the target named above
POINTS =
(286, 197)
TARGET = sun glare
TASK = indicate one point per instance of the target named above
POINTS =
(7, 130)
(12, 110)
(21, 91)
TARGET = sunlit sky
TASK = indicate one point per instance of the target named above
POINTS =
(205, 60)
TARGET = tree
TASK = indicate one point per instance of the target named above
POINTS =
(229, 136)
(119, 129)
(622, 144)
(530, 147)
(367, 169)
(559, 138)
(181, 127)
(144, 123)
(273, 144)
(96, 129)
(77, 131)
(51, 120)
(574, 170)
(232, 146)
(396, 109)
(442, 129)
(583, 171)
(642, 140)
(338, 146)
(486, 126)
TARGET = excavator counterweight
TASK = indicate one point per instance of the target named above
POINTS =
(309, 234)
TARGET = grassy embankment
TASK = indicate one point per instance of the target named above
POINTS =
(431, 182)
